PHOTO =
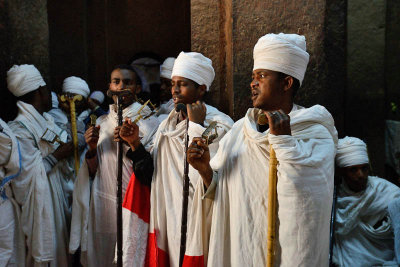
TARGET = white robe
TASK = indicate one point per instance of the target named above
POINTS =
(39, 194)
(165, 109)
(166, 187)
(305, 185)
(357, 242)
(94, 222)
(12, 245)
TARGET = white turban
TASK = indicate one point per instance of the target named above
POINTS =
(282, 52)
(23, 79)
(76, 85)
(194, 66)
(99, 96)
(351, 151)
(166, 67)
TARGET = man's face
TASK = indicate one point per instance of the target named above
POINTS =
(267, 90)
(184, 90)
(46, 98)
(165, 90)
(122, 79)
(356, 176)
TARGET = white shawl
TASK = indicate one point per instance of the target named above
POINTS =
(93, 225)
(357, 242)
(33, 189)
(305, 184)
(166, 188)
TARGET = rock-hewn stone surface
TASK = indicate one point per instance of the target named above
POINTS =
(24, 38)
(365, 104)
(253, 19)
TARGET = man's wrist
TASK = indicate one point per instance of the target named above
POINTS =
(207, 176)
(91, 153)
(134, 145)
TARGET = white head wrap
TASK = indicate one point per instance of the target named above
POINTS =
(23, 79)
(76, 85)
(166, 67)
(99, 96)
(194, 66)
(351, 151)
(282, 52)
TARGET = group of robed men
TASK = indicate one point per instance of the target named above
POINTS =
(227, 205)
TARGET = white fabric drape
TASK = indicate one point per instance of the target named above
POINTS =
(36, 192)
(94, 225)
(166, 188)
(357, 241)
(305, 184)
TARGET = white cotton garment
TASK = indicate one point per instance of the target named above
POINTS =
(351, 151)
(22, 79)
(165, 109)
(38, 193)
(282, 52)
(76, 85)
(359, 241)
(194, 66)
(12, 242)
(166, 187)
(305, 185)
(166, 68)
(94, 222)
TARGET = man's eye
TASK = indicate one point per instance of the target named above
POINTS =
(262, 75)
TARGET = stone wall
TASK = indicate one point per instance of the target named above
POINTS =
(322, 22)
(24, 38)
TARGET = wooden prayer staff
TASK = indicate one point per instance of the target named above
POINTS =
(71, 100)
(273, 162)
(272, 195)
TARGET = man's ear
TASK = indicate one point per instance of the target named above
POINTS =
(202, 90)
(288, 80)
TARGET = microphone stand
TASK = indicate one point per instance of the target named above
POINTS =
(185, 192)
(119, 186)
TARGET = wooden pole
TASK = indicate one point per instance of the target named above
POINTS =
(272, 198)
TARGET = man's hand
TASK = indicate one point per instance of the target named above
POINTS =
(197, 112)
(129, 132)
(64, 151)
(279, 123)
(92, 137)
(198, 155)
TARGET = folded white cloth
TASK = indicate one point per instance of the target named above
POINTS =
(351, 151)
(22, 79)
(194, 66)
(282, 52)
(166, 68)
(76, 85)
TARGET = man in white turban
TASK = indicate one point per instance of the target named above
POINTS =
(12, 242)
(94, 101)
(38, 189)
(94, 216)
(167, 104)
(192, 76)
(304, 140)
(363, 228)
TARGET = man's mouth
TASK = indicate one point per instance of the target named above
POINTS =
(254, 95)
(176, 98)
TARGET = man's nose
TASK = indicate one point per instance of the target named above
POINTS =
(174, 89)
(253, 83)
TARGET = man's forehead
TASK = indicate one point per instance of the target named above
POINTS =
(180, 78)
(122, 74)
(262, 70)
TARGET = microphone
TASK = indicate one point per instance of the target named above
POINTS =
(125, 92)
(181, 107)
